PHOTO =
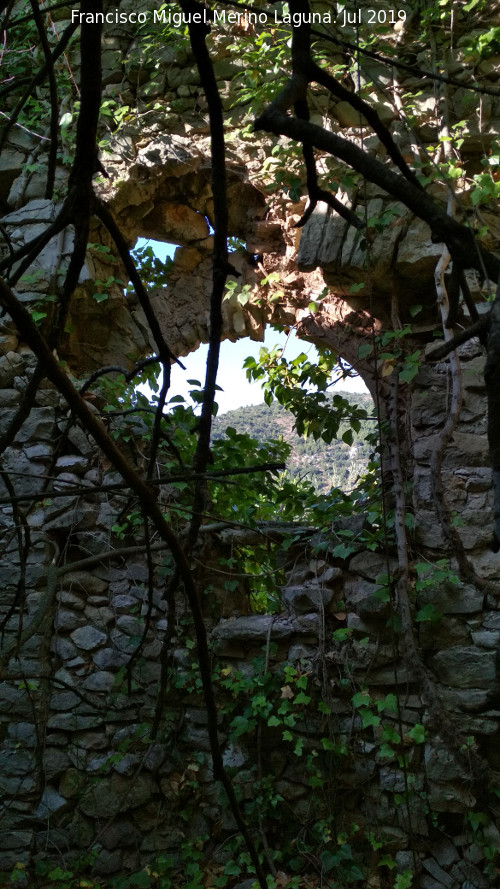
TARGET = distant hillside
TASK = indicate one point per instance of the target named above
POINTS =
(337, 464)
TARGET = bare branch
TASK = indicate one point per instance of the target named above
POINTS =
(54, 104)
(478, 329)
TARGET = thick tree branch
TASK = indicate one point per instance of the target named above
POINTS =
(165, 354)
(197, 35)
(325, 79)
(313, 189)
(478, 329)
(459, 239)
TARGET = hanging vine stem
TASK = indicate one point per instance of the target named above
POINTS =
(492, 379)
(439, 717)
(218, 179)
(447, 311)
(453, 416)
(23, 536)
(396, 595)
(466, 569)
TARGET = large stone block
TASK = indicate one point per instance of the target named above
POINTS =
(116, 793)
(465, 667)
(256, 627)
(365, 599)
(306, 599)
(88, 638)
(449, 598)
(11, 365)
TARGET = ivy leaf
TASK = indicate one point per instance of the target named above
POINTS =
(241, 725)
(361, 699)
(368, 718)
(417, 733)
(324, 708)
(428, 612)
(364, 350)
(142, 880)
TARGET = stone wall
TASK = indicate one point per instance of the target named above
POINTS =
(79, 770)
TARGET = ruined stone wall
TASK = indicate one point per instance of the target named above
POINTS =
(79, 771)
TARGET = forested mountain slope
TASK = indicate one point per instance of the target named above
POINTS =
(337, 464)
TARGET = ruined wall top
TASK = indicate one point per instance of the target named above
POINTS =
(156, 158)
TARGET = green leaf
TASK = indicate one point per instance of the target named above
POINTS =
(387, 861)
(298, 749)
(341, 634)
(386, 751)
(241, 725)
(409, 371)
(141, 879)
(243, 297)
(404, 880)
(390, 702)
(364, 350)
(328, 861)
(368, 718)
(428, 613)
(417, 733)
(324, 708)
(382, 594)
(342, 551)
(361, 699)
